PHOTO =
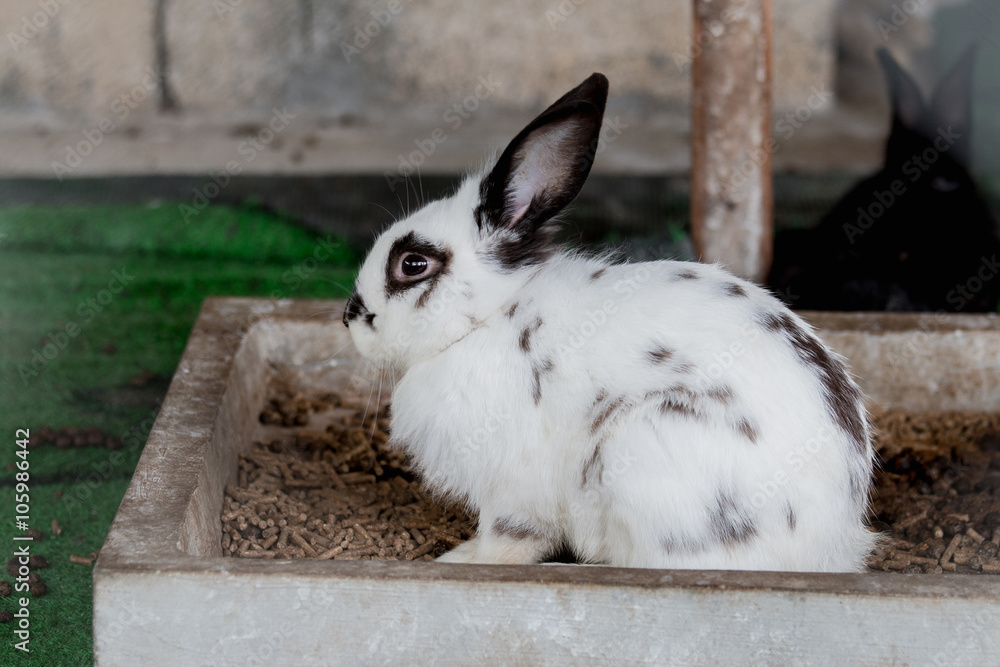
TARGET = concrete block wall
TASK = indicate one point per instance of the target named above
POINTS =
(340, 56)
(70, 59)
(176, 85)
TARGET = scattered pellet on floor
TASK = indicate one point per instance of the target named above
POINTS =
(324, 484)
(334, 492)
(936, 496)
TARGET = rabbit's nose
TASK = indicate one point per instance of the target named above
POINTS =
(354, 309)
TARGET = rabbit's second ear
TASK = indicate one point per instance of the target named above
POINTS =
(908, 107)
(951, 105)
(545, 166)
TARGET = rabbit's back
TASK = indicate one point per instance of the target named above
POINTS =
(697, 395)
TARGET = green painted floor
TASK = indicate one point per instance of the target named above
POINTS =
(95, 307)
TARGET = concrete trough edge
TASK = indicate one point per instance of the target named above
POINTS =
(163, 594)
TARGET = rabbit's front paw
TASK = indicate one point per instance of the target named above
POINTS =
(465, 552)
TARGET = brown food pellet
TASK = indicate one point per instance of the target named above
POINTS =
(80, 560)
(6, 616)
(56, 527)
(37, 562)
(5, 588)
(323, 483)
(38, 589)
(35, 534)
(932, 500)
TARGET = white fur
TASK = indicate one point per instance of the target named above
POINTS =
(465, 409)
(661, 414)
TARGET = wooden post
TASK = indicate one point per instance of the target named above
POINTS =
(731, 145)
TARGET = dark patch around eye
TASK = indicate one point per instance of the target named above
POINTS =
(412, 244)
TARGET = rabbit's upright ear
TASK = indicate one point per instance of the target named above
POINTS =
(907, 102)
(951, 106)
(908, 110)
(543, 168)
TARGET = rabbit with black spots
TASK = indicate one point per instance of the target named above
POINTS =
(658, 414)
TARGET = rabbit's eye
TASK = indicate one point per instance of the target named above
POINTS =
(414, 260)
(942, 184)
(413, 265)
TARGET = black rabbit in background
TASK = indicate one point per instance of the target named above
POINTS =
(917, 235)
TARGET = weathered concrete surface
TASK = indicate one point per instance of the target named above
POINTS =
(358, 108)
(70, 60)
(363, 81)
(164, 596)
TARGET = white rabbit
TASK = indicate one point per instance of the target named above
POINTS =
(660, 414)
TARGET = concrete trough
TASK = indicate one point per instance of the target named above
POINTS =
(164, 595)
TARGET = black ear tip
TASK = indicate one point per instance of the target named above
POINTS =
(595, 87)
(597, 79)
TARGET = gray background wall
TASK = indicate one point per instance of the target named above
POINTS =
(181, 86)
